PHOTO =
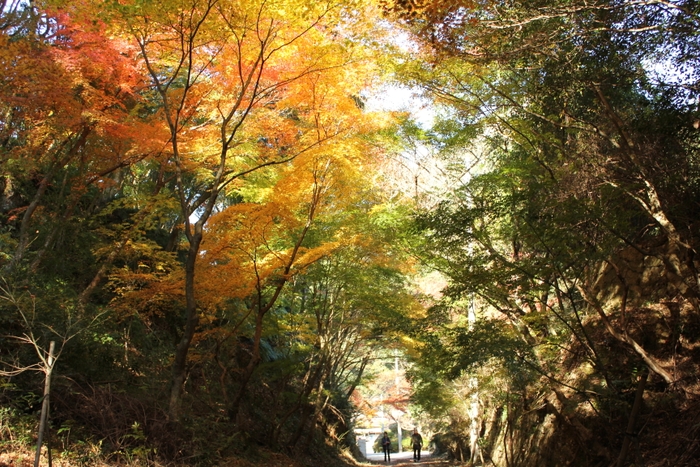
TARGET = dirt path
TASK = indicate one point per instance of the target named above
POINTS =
(406, 460)
(410, 463)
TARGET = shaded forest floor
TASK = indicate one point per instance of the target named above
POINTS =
(280, 460)
(26, 459)
(284, 461)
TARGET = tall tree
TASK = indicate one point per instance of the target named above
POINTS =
(238, 91)
(588, 153)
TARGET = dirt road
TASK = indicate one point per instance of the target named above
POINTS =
(406, 459)
(410, 463)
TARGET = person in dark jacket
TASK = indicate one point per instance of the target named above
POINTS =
(386, 446)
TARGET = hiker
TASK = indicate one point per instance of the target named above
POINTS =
(386, 445)
(417, 441)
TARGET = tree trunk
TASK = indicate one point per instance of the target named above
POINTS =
(315, 383)
(192, 320)
(250, 368)
(23, 242)
(45, 404)
(625, 338)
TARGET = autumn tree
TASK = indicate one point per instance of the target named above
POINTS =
(66, 127)
(240, 87)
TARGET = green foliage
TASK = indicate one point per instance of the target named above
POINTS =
(485, 341)
(16, 428)
(571, 151)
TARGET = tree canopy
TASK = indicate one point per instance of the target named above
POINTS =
(569, 225)
(207, 199)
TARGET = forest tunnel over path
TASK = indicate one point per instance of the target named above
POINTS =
(268, 230)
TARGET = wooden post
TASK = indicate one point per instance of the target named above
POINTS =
(45, 404)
